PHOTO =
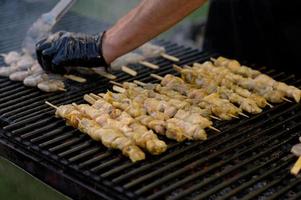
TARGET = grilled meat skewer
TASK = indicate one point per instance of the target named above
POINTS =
(122, 121)
(110, 137)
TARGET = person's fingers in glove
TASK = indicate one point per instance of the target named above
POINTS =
(65, 49)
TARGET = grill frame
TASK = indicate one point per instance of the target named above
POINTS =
(45, 148)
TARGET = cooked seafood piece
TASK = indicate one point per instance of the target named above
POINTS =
(11, 57)
(52, 85)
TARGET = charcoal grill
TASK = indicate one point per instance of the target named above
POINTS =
(250, 159)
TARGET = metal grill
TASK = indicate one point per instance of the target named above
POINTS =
(250, 159)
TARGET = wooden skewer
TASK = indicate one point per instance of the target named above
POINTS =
(169, 57)
(242, 114)
(271, 106)
(62, 89)
(51, 105)
(118, 89)
(89, 99)
(296, 168)
(213, 59)
(233, 116)
(213, 117)
(75, 78)
(285, 99)
(139, 83)
(149, 65)
(160, 78)
(129, 71)
(105, 74)
(116, 83)
(101, 94)
(177, 68)
(187, 67)
(95, 96)
(213, 128)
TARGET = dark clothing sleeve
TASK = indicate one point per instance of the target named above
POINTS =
(266, 32)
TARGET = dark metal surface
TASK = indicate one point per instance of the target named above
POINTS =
(250, 159)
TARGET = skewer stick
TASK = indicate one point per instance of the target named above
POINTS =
(89, 99)
(129, 71)
(169, 57)
(177, 68)
(160, 78)
(116, 83)
(242, 114)
(271, 106)
(118, 89)
(94, 96)
(285, 99)
(213, 128)
(51, 105)
(62, 89)
(213, 59)
(75, 78)
(233, 116)
(105, 74)
(213, 117)
(149, 65)
(296, 168)
(101, 95)
(139, 83)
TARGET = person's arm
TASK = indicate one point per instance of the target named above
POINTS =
(147, 20)
(143, 23)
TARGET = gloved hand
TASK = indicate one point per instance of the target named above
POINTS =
(67, 49)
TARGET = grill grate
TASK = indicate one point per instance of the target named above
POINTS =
(250, 159)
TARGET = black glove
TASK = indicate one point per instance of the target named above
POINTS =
(66, 49)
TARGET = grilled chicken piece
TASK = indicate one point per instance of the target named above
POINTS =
(127, 125)
(244, 103)
(111, 138)
(164, 104)
(165, 111)
(259, 87)
(235, 67)
(198, 95)
(155, 120)
(289, 91)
